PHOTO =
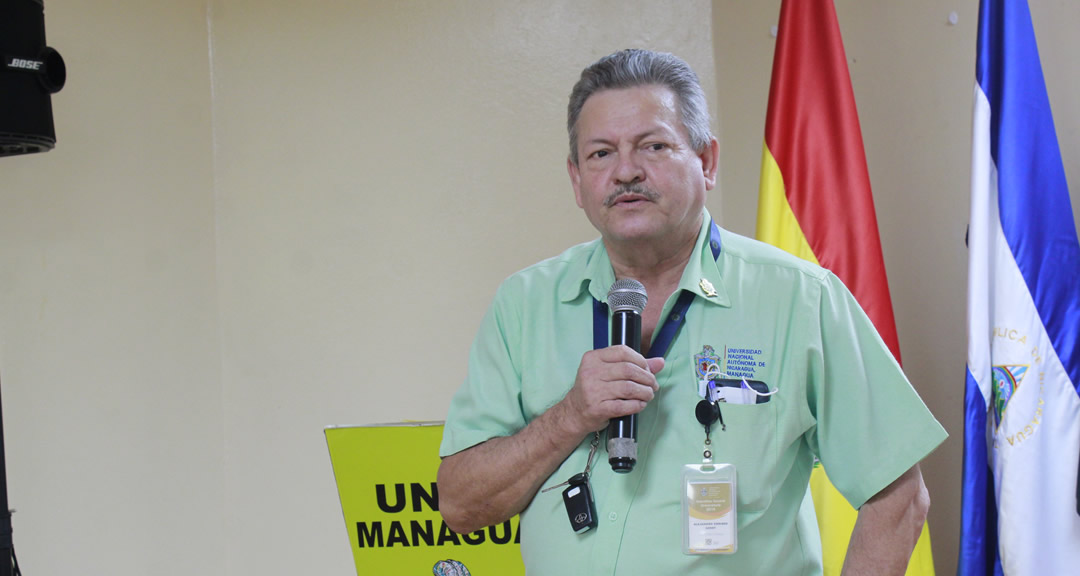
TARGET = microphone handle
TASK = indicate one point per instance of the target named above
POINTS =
(626, 329)
(622, 431)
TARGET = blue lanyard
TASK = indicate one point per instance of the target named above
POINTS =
(675, 320)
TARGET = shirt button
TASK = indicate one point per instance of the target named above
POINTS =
(613, 516)
(675, 317)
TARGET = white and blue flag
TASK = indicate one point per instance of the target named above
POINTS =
(1020, 509)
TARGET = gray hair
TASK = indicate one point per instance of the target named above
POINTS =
(631, 68)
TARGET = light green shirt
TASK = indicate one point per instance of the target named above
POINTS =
(841, 397)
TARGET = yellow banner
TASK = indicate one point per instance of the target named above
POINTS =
(386, 481)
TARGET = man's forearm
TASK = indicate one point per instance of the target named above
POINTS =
(493, 481)
(888, 527)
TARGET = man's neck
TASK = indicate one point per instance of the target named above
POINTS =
(653, 268)
(658, 269)
(655, 263)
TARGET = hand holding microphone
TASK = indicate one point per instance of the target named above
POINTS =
(616, 381)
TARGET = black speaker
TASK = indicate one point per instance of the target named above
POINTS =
(30, 73)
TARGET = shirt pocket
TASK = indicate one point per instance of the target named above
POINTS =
(750, 444)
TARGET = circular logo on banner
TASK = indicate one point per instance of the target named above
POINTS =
(450, 568)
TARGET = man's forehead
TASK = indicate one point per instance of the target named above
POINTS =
(657, 93)
(648, 108)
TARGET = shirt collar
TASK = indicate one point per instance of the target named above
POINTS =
(595, 275)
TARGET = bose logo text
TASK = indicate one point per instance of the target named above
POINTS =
(24, 64)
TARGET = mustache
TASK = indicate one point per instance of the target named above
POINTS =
(625, 189)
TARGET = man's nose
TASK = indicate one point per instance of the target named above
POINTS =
(628, 171)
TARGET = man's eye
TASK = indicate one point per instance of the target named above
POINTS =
(599, 153)
(657, 146)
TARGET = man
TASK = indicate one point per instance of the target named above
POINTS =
(641, 161)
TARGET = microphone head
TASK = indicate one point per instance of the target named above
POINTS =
(627, 295)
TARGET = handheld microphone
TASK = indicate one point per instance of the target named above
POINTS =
(627, 300)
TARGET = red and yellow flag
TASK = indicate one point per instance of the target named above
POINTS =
(815, 203)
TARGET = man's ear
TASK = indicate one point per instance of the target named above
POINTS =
(710, 163)
(575, 180)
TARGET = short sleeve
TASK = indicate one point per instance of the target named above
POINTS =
(871, 425)
(488, 404)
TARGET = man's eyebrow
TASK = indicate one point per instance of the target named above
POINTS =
(654, 133)
(650, 133)
(602, 141)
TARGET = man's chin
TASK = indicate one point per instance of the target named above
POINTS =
(633, 230)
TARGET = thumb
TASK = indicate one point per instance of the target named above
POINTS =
(655, 364)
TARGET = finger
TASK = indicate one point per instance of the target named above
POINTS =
(619, 408)
(627, 390)
(655, 364)
(626, 371)
(621, 353)
(615, 363)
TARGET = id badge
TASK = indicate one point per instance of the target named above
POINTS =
(709, 509)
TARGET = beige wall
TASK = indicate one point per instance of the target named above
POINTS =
(263, 217)
(109, 348)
